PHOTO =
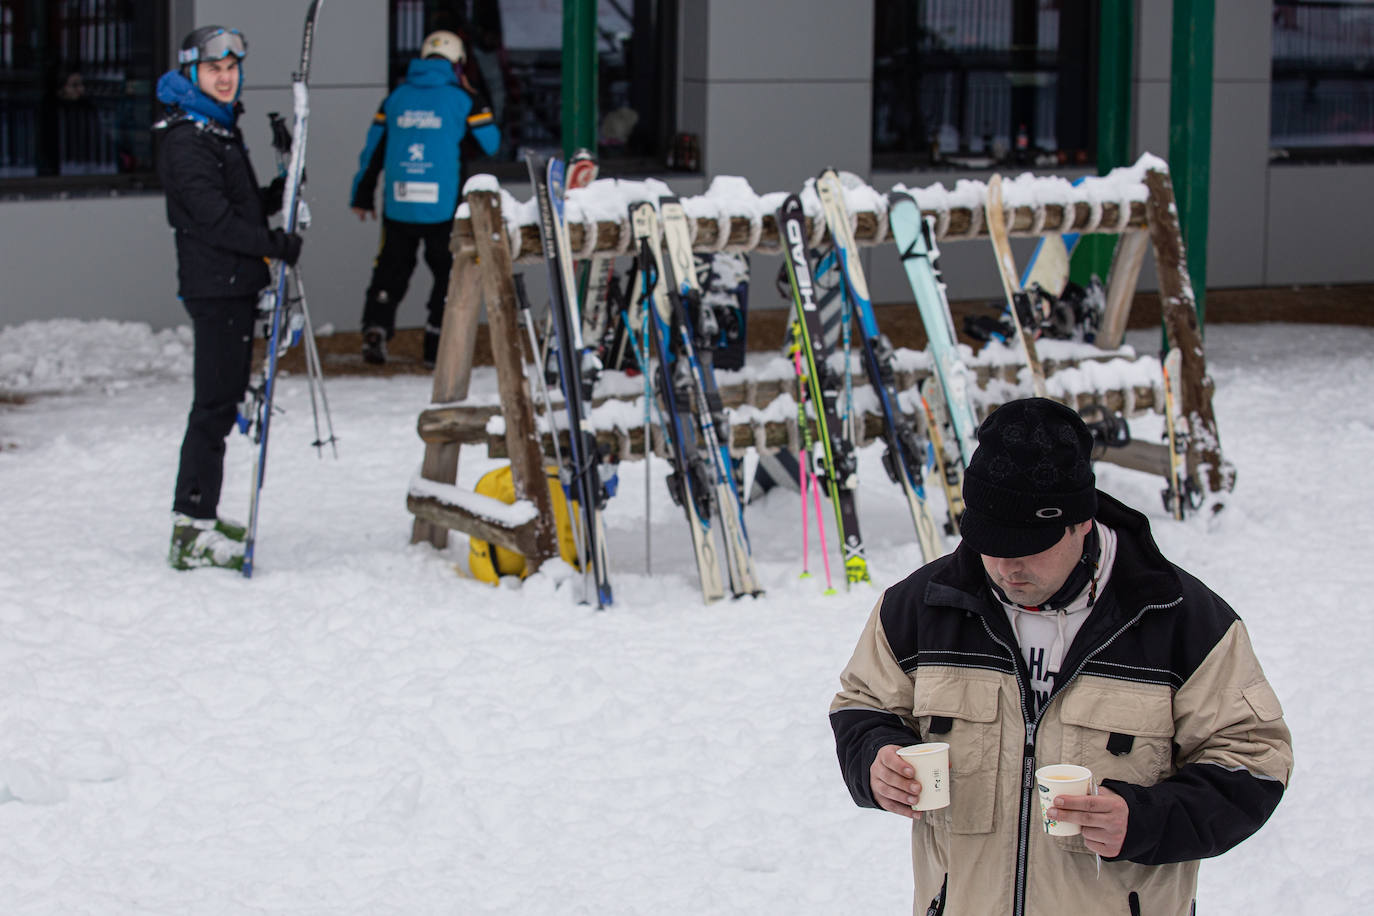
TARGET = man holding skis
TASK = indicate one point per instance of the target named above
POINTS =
(414, 140)
(1057, 633)
(219, 215)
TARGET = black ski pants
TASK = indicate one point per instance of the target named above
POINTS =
(223, 331)
(396, 262)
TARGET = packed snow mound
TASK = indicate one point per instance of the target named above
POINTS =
(51, 357)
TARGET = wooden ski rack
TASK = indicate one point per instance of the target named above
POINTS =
(1137, 204)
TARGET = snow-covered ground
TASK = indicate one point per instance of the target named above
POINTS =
(361, 729)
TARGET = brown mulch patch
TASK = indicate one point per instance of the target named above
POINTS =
(1353, 305)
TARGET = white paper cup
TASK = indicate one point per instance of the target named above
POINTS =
(931, 763)
(1061, 779)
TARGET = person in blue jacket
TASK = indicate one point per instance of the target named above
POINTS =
(414, 142)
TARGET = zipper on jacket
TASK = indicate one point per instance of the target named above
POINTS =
(1028, 752)
(1018, 906)
(937, 906)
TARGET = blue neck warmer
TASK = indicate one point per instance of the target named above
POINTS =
(175, 89)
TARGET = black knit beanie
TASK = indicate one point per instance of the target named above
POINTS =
(1029, 478)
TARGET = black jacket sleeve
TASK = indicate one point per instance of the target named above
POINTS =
(1201, 811)
(859, 735)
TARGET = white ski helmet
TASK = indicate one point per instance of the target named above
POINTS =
(445, 44)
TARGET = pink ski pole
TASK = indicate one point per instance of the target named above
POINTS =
(802, 483)
(820, 527)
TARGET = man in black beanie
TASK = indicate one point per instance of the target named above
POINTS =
(1058, 633)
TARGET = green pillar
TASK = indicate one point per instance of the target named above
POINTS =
(1190, 132)
(1115, 71)
(579, 75)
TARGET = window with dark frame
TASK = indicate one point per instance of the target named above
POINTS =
(978, 83)
(1322, 88)
(515, 61)
(77, 94)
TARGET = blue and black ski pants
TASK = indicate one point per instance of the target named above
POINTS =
(394, 265)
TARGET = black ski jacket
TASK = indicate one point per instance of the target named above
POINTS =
(218, 211)
(1160, 695)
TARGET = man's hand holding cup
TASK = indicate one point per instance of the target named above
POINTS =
(1102, 818)
(912, 779)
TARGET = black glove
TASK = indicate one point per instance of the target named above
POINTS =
(286, 246)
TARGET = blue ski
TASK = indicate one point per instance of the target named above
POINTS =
(290, 198)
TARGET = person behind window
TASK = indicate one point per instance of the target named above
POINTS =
(219, 215)
(1058, 633)
(413, 144)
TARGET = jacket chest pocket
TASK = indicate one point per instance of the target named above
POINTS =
(1119, 732)
(963, 713)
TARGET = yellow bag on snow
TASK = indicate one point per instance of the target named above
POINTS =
(489, 562)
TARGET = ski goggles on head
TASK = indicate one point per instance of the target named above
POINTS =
(219, 45)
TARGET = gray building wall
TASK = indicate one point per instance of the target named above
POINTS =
(776, 91)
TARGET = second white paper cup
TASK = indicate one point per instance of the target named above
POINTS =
(1061, 779)
(931, 763)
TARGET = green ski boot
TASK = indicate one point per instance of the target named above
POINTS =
(234, 531)
(197, 542)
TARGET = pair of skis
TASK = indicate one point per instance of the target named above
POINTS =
(822, 390)
(915, 238)
(907, 454)
(945, 396)
(679, 328)
(1017, 299)
(675, 329)
(1182, 493)
(577, 369)
(260, 423)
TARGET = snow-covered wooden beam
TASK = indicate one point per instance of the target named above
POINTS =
(775, 426)
(518, 527)
(730, 216)
(761, 401)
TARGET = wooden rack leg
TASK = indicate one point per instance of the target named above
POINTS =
(452, 370)
(1180, 320)
(1122, 278)
(522, 440)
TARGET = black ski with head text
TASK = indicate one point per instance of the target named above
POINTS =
(838, 459)
(577, 372)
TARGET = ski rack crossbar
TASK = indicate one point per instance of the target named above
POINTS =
(763, 424)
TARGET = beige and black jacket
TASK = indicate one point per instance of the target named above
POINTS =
(1160, 695)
